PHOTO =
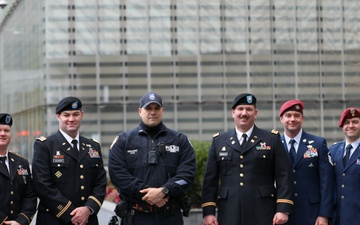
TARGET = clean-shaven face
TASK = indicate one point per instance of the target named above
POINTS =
(70, 121)
(5, 136)
(292, 121)
(151, 115)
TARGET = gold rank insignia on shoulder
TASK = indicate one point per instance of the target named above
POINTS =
(217, 134)
(274, 131)
(14, 153)
(94, 140)
(42, 138)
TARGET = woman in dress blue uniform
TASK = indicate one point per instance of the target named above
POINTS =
(346, 159)
(69, 176)
(248, 169)
(18, 199)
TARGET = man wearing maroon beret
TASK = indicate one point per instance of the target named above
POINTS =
(313, 173)
(346, 160)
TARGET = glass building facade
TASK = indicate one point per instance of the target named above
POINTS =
(197, 54)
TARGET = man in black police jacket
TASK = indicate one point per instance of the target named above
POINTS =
(17, 195)
(68, 171)
(254, 173)
(152, 166)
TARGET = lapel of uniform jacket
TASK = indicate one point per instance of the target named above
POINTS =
(233, 142)
(338, 155)
(65, 147)
(84, 148)
(12, 166)
(285, 146)
(252, 140)
(302, 147)
(354, 157)
(3, 170)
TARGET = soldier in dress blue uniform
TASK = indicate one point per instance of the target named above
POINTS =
(17, 195)
(68, 171)
(248, 162)
(152, 166)
(313, 173)
(346, 159)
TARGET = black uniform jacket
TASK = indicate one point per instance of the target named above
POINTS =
(130, 170)
(17, 195)
(247, 185)
(64, 181)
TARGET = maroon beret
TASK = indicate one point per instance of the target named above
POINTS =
(292, 105)
(348, 114)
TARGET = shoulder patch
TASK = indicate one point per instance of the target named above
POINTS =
(217, 134)
(42, 138)
(94, 140)
(114, 141)
(17, 154)
(274, 131)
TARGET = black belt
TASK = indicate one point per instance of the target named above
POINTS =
(145, 208)
(171, 205)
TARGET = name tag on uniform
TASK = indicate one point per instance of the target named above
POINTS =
(223, 154)
(58, 158)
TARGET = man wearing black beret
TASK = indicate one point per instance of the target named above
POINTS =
(18, 199)
(247, 172)
(68, 171)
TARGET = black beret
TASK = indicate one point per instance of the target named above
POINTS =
(244, 99)
(6, 119)
(68, 103)
(149, 98)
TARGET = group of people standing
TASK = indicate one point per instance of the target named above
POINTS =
(252, 176)
(259, 177)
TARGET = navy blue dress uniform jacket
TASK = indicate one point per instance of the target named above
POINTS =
(130, 171)
(347, 180)
(17, 196)
(247, 193)
(64, 181)
(313, 181)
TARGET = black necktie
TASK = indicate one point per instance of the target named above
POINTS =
(74, 142)
(347, 154)
(292, 150)
(244, 136)
(2, 162)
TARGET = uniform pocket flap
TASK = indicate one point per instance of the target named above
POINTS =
(267, 191)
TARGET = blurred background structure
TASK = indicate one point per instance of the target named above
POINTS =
(197, 54)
